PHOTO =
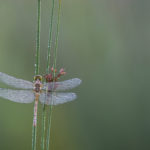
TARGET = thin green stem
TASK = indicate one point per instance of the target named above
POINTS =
(43, 127)
(57, 35)
(33, 138)
(38, 38)
(54, 66)
(50, 38)
(34, 128)
(49, 128)
(47, 71)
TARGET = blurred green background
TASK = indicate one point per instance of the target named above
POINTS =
(103, 42)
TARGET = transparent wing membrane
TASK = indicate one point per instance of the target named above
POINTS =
(62, 86)
(54, 98)
(27, 96)
(20, 96)
(14, 82)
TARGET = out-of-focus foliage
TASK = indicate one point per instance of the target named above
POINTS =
(105, 43)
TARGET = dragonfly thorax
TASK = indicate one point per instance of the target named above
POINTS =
(37, 83)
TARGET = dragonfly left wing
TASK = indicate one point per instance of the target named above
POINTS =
(14, 82)
(54, 98)
(20, 96)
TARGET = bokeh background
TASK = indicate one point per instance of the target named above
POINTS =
(105, 43)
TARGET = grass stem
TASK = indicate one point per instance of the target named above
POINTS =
(54, 66)
(50, 37)
(37, 55)
(43, 127)
(49, 128)
(38, 38)
(47, 71)
(57, 35)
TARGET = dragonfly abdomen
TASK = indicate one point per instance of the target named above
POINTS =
(35, 109)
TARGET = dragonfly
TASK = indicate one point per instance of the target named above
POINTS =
(49, 93)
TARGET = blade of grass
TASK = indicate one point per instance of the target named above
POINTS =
(54, 66)
(37, 55)
(43, 126)
(50, 37)
(47, 71)
(57, 34)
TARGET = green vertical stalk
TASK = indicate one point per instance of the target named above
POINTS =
(43, 127)
(57, 34)
(38, 38)
(33, 138)
(49, 128)
(47, 71)
(50, 37)
(54, 66)
(37, 56)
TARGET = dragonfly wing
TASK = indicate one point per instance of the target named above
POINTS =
(20, 96)
(62, 86)
(56, 98)
(14, 82)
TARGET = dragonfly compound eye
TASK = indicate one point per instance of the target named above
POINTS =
(38, 77)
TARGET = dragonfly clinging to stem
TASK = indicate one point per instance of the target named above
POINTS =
(48, 93)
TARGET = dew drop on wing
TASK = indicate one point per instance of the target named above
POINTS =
(62, 86)
(19, 96)
(55, 98)
(14, 82)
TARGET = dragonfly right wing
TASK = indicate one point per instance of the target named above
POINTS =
(53, 98)
(14, 82)
(62, 86)
(19, 96)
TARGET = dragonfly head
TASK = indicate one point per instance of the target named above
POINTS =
(38, 77)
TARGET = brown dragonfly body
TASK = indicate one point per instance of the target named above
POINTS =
(37, 90)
